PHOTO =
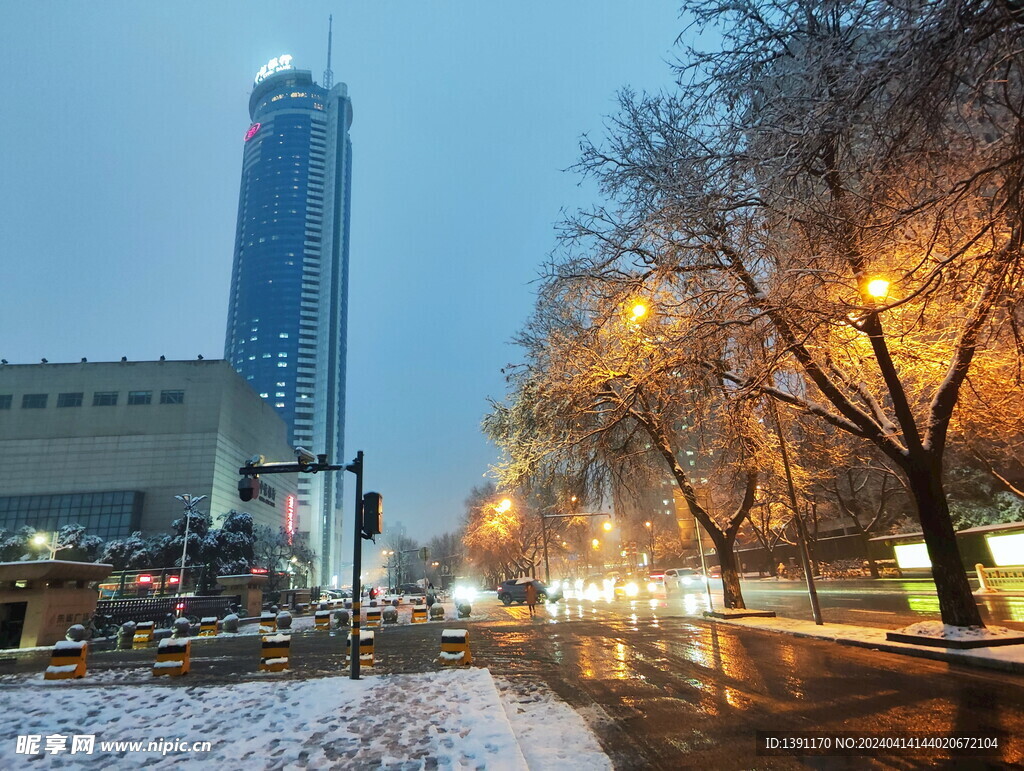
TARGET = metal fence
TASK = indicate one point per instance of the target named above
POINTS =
(158, 608)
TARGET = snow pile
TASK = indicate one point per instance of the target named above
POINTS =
(942, 631)
(550, 733)
(448, 719)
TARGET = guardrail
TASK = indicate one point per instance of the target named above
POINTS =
(157, 608)
(1001, 579)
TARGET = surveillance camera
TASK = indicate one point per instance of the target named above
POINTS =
(256, 460)
(305, 456)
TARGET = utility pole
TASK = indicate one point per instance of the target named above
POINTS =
(356, 467)
(801, 531)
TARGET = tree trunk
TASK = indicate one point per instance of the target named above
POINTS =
(732, 594)
(872, 565)
(956, 602)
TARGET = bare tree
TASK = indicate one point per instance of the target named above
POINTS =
(826, 147)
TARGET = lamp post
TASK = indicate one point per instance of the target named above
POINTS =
(190, 502)
(40, 539)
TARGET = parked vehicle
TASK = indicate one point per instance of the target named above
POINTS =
(683, 580)
(514, 590)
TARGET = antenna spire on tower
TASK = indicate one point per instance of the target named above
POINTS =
(328, 74)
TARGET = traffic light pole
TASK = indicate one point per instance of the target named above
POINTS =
(356, 467)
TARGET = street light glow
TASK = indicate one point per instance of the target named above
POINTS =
(607, 527)
(504, 506)
(39, 539)
(639, 311)
(595, 543)
(878, 288)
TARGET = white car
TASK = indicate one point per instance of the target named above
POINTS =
(683, 580)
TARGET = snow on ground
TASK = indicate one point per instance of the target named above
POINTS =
(551, 734)
(942, 631)
(450, 719)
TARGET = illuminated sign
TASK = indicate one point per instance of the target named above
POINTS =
(274, 65)
(912, 555)
(252, 131)
(289, 517)
(172, 579)
(258, 571)
(145, 579)
(1007, 549)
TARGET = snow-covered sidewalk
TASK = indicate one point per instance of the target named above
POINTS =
(450, 719)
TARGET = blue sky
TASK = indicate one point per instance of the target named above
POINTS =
(120, 154)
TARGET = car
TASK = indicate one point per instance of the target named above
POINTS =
(514, 590)
(634, 585)
(683, 580)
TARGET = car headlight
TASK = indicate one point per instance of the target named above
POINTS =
(631, 589)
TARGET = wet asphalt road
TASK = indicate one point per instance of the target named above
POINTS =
(661, 689)
(886, 602)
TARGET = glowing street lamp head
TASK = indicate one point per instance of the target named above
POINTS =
(39, 539)
(595, 543)
(607, 527)
(504, 506)
(639, 311)
(878, 288)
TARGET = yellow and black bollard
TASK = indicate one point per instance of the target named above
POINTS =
(419, 614)
(268, 622)
(143, 634)
(208, 626)
(365, 648)
(276, 651)
(373, 618)
(322, 620)
(173, 657)
(67, 660)
(455, 647)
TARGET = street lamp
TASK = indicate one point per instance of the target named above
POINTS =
(190, 502)
(40, 539)
(878, 288)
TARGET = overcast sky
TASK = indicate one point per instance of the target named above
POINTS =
(120, 154)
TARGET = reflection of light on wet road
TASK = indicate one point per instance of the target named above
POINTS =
(923, 604)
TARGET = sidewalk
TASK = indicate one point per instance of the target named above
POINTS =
(1009, 658)
(455, 718)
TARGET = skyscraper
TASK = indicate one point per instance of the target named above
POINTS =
(287, 314)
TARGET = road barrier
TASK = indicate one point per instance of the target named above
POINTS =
(419, 614)
(365, 648)
(275, 653)
(268, 622)
(208, 626)
(173, 657)
(322, 620)
(67, 660)
(455, 647)
(373, 618)
(1001, 579)
(143, 634)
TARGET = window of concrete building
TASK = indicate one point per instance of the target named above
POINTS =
(33, 401)
(104, 399)
(5, 401)
(172, 397)
(114, 514)
(69, 400)
(140, 397)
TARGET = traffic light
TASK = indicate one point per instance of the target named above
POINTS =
(248, 488)
(373, 514)
(424, 553)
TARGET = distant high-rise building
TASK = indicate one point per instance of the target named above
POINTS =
(287, 313)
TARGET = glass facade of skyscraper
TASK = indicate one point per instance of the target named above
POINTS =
(287, 313)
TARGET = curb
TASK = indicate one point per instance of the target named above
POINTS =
(969, 657)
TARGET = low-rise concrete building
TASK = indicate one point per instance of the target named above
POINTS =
(108, 445)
